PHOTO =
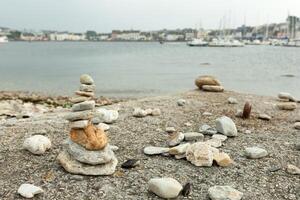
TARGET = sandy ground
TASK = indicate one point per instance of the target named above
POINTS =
(252, 177)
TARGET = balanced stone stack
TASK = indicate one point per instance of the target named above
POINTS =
(87, 150)
(209, 84)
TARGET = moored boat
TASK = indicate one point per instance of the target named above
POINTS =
(197, 43)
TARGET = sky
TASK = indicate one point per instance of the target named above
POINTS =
(107, 15)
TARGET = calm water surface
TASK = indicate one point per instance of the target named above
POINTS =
(144, 69)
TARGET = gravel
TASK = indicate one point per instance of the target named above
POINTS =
(251, 177)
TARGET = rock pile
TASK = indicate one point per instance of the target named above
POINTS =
(87, 150)
(209, 83)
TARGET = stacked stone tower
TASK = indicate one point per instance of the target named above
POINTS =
(87, 150)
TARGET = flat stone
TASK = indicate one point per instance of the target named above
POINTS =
(103, 126)
(224, 193)
(287, 106)
(286, 96)
(106, 116)
(29, 190)
(200, 154)
(86, 105)
(206, 80)
(214, 142)
(90, 157)
(165, 187)
(207, 130)
(90, 137)
(37, 144)
(79, 124)
(170, 129)
(193, 136)
(87, 88)
(297, 125)
(73, 166)
(219, 137)
(180, 149)
(85, 94)
(150, 150)
(175, 138)
(255, 152)
(232, 100)
(292, 169)
(264, 117)
(181, 102)
(86, 79)
(226, 126)
(212, 88)
(207, 114)
(223, 159)
(155, 112)
(138, 112)
(82, 115)
(79, 99)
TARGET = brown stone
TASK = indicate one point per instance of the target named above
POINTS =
(247, 110)
(90, 137)
(206, 80)
(223, 159)
(85, 94)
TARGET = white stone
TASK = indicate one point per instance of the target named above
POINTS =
(248, 132)
(37, 144)
(287, 96)
(86, 105)
(103, 126)
(264, 117)
(255, 152)
(181, 102)
(180, 149)
(292, 169)
(150, 150)
(79, 124)
(297, 125)
(207, 114)
(170, 129)
(193, 136)
(165, 187)
(81, 115)
(175, 138)
(87, 88)
(224, 193)
(212, 88)
(90, 157)
(107, 116)
(148, 111)
(226, 126)
(29, 190)
(86, 79)
(73, 166)
(138, 112)
(214, 142)
(219, 137)
(200, 154)
(155, 112)
(232, 100)
(287, 106)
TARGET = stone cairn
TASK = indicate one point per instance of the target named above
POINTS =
(87, 151)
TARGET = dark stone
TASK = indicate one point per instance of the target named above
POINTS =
(186, 189)
(247, 110)
(131, 163)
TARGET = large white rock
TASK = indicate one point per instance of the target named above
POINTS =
(224, 193)
(226, 126)
(37, 144)
(29, 190)
(107, 116)
(150, 150)
(200, 154)
(90, 157)
(286, 96)
(73, 166)
(255, 152)
(165, 187)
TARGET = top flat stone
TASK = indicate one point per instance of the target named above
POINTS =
(86, 79)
